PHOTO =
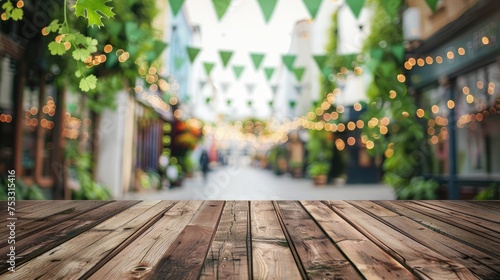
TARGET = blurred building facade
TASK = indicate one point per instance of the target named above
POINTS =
(454, 72)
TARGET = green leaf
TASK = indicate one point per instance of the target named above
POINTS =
(93, 11)
(56, 48)
(91, 44)
(78, 74)
(81, 54)
(7, 6)
(88, 83)
(17, 14)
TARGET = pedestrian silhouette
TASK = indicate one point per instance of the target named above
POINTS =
(204, 164)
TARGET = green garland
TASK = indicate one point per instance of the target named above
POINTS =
(404, 143)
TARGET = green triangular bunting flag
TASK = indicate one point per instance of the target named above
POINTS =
(257, 59)
(377, 53)
(291, 103)
(399, 52)
(391, 7)
(225, 56)
(288, 60)
(267, 7)
(237, 70)
(270, 103)
(312, 6)
(269, 72)
(228, 102)
(249, 103)
(207, 100)
(202, 84)
(298, 89)
(192, 53)
(224, 86)
(326, 71)
(176, 6)
(209, 66)
(250, 88)
(432, 4)
(299, 73)
(356, 6)
(178, 62)
(274, 89)
(221, 7)
(320, 60)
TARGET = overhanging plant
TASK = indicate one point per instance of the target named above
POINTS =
(389, 97)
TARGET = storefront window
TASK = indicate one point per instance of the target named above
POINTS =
(478, 133)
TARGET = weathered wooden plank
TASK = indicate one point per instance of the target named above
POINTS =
(489, 205)
(475, 260)
(72, 259)
(271, 255)
(185, 258)
(47, 239)
(320, 257)
(228, 256)
(424, 261)
(486, 218)
(28, 227)
(47, 209)
(370, 259)
(457, 227)
(136, 260)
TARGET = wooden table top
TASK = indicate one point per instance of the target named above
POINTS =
(254, 240)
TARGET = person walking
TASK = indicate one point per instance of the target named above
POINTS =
(204, 161)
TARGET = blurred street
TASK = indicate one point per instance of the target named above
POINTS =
(251, 183)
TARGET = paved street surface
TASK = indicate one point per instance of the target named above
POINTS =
(252, 183)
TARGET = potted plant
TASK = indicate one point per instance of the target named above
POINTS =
(296, 168)
(318, 171)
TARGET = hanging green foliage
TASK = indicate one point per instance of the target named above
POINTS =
(406, 138)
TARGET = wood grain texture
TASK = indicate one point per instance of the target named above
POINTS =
(49, 238)
(451, 226)
(185, 258)
(137, 260)
(475, 260)
(370, 259)
(271, 255)
(424, 261)
(73, 258)
(229, 254)
(320, 257)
